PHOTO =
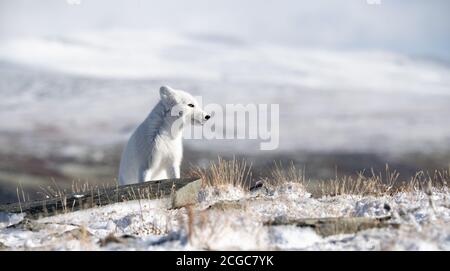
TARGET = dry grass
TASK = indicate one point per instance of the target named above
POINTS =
(361, 184)
(280, 174)
(377, 184)
(223, 172)
(238, 173)
(389, 182)
(78, 187)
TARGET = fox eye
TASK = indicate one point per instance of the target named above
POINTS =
(190, 105)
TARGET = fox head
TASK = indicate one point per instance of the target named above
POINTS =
(183, 105)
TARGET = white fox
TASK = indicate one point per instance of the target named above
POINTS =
(156, 148)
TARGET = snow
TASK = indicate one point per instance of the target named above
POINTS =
(10, 219)
(230, 218)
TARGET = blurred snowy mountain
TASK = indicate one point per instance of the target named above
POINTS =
(95, 87)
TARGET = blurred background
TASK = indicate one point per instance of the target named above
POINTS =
(360, 83)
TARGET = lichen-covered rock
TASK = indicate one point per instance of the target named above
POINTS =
(187, 195)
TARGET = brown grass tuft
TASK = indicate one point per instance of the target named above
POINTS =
(280, 175)
(221, 173)
(378, 184)
(363, 183)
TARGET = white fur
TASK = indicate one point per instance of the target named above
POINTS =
(155, 149)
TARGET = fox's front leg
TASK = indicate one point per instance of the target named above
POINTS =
(173, 172)
(153, 169)
(147, 175)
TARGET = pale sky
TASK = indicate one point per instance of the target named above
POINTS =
(412, 27)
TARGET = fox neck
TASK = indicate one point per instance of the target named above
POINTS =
(173, 126)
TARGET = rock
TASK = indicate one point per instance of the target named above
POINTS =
(186, 195)
(327, 226)
(111, 238)
(28, 225)
(77, 234)
(95, 197)
(227, 205)
(258, 185)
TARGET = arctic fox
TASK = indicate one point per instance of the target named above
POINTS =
(155, 149)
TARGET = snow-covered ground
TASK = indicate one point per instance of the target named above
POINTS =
(229, 218)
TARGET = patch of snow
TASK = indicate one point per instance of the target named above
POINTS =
(7, 219)
(151, 225)
(370, 207)
(292, 237)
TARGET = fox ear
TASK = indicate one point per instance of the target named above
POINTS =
(167, 95)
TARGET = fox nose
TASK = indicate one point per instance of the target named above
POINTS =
(207, 117)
